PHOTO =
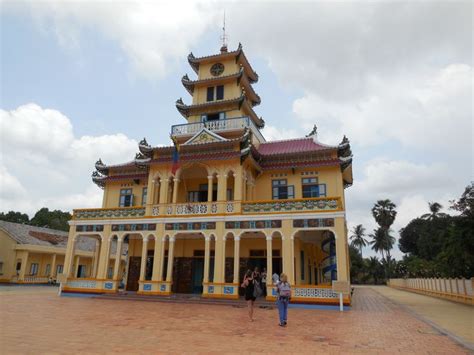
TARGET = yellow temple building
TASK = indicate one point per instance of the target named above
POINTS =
(197, 214)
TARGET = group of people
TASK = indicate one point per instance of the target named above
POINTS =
(255, 285)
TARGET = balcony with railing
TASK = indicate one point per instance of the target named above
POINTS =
(228, 124)
(183, 209)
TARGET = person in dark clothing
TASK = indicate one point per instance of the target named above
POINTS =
(248, 284)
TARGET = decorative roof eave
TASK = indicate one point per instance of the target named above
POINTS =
(259, 122)
(298, 164)
(98, 179)
(239, 57)
(101, 167)
(190, 84)
(145, 148)
(185, 110)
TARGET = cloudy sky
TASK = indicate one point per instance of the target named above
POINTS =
(83, 80)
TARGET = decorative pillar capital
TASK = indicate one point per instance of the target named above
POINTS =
(237, 239)
(207, 238)
(172, 239)
(210, 177)
(269, 239)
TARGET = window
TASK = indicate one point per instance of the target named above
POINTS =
(126, 198)
(193, 196)
(230, 195)
(281, 190)
(110, 272)
(59, 269)
(220, 92)
(210, 93)
(1, 268)
(144, 195)
(203, 192)
(215, 91)
(311, 188)
(48, 269)
(34, 269)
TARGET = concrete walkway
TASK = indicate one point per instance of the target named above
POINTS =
(455, 318)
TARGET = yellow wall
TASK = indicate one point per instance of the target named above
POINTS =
(7, 256)
(230, 67)
(112, 192)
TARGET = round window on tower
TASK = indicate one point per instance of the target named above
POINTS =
(217, 69)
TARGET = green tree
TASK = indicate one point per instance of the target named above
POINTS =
(357, 238)
(435, 209)
(374, 269)
(15, 217)
(384, 213)
(51, 219)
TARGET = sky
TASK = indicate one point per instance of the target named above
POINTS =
(82, 80)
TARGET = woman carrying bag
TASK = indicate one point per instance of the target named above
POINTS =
(283, 290)
(249, 285)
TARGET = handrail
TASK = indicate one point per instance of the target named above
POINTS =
(217, 125)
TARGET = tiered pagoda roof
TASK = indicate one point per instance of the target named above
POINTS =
(238, 54)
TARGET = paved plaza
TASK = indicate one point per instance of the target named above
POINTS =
(35, 321)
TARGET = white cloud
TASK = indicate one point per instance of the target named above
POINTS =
(45, 164)
(152, 34)
(272, 133)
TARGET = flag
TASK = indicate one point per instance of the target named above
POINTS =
(175, 165)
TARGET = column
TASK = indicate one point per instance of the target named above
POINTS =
(238, 186)
(169, 274)
(157, 257)
(150, 195)
(224, 240)
(269, 260)
(104, 256)
(164, 186)
(175, 190)
(237, 259)
(341, 258)
(71, 243)
(76, 268)
(96, 259)
(162, 261)
(221, 187)
(207, 257)
(24, 264)
(52, 271)
(144, 257)
(288, 259)
(209, 187)
(118, 259)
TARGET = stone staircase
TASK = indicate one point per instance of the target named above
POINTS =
(184, 299)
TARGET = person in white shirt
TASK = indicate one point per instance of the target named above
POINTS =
(275, 278)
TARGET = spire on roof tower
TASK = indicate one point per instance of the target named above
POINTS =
(224, 38)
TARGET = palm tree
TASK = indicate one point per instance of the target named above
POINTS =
(373, 266)
(384, 213)
(435, 208)
(357, 238)
(383, 242)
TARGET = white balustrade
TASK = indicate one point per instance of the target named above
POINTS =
(314, 292)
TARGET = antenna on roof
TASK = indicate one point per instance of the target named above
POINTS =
(224, 37)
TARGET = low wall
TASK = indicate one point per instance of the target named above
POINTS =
(458, 290)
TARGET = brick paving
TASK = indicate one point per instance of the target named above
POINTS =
(40, 323)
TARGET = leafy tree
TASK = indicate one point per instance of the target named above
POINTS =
(357, 237)
(51, 219)
(435, 209)
(357, 265)
(384, 213)
(374, 269)
(15, 217)
(465, 204)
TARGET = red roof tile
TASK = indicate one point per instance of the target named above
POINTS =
(292, 146)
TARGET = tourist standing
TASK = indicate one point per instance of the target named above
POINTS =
(248, 285)
(283, 290)
(275, 278)
(264, 282)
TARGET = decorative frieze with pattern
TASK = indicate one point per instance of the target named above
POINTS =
(324, 204)
(190, 226)
(313, 223)
(133, 227)
(253, 224)
(109, 213)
